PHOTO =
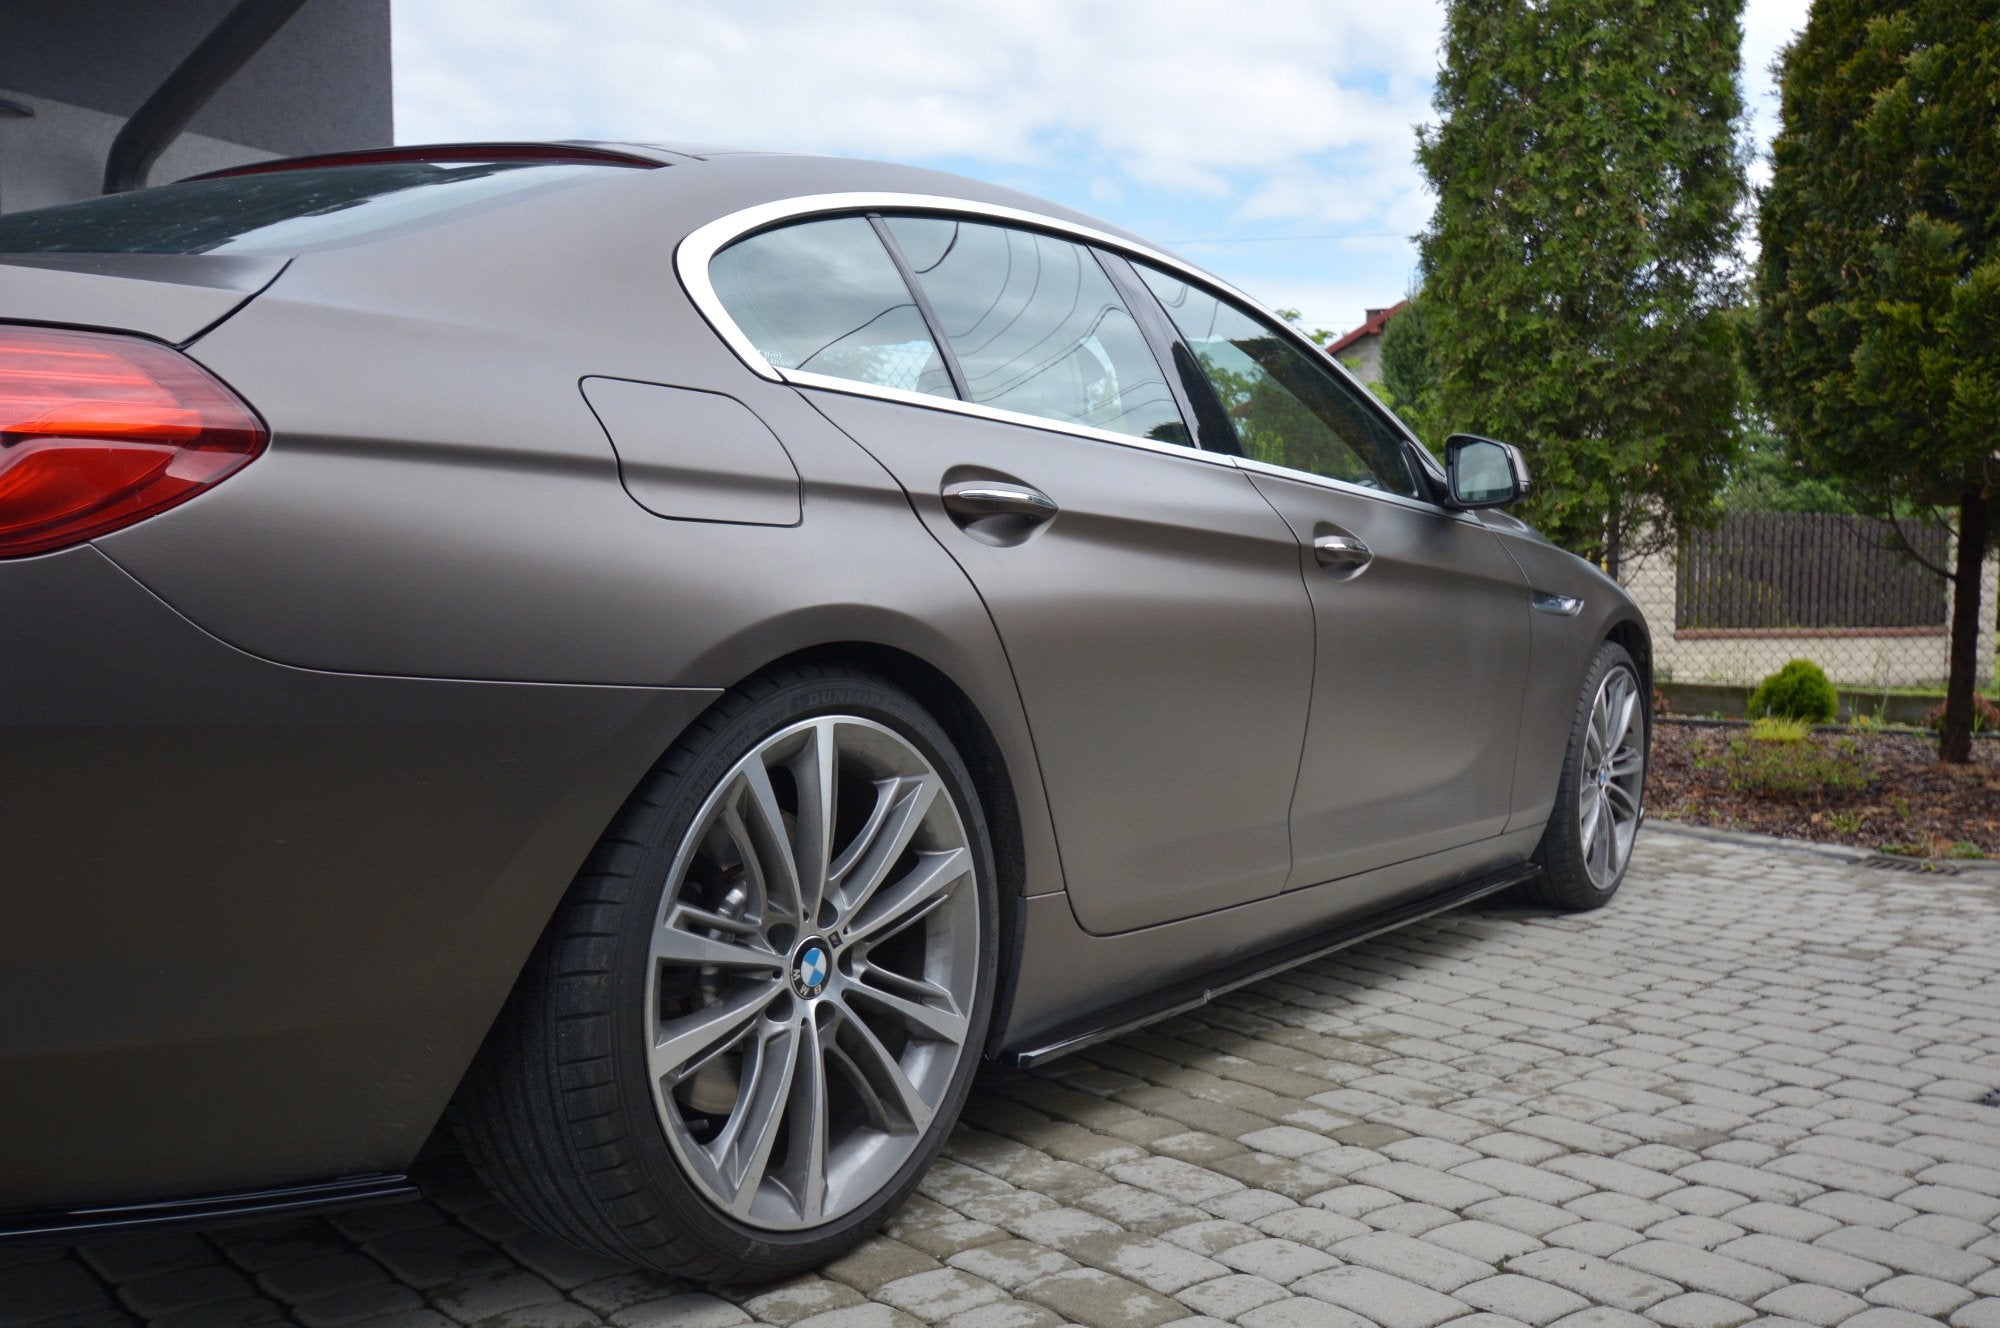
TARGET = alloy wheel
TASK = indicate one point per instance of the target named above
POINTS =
(1612, 777)
(812, 974)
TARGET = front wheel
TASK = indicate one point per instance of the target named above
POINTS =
(758, 1012)
(1588, 843)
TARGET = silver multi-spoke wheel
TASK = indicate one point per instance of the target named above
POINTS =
(1612, 776)
(814, 967)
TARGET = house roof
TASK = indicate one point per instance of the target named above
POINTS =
(1372, 326)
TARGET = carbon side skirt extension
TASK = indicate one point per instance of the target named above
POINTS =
(1178, 998)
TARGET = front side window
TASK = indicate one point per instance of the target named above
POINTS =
(824, 297)
(1286, 410)
(1037, 327)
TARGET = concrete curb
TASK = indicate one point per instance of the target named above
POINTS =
(1841, 852)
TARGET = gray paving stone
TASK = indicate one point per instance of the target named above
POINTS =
(1748, 1089)
(1154, 1264)
(1433, 1266)
(1524, 1299)
(1983, 1313)
(158, 1294)
(697, 1309)
(1302, 1312)
(1231, 1296)
(1806, 1263)
(939, 1294)
(1701, 1270)
(1698, 1309)
(1280, 1261)
(250, 1312)
(1907, 1254)
(1098, 1299)
(1920, 1295)
(1381, 1298)
(1593, 1278)
(1818, 1305)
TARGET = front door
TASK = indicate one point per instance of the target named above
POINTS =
(1147, 595)
(1421, 615)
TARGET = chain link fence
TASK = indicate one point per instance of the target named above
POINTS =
(1733, 604)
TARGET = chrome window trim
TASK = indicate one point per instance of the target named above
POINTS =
(1348, 487)
(952, 405)
(700, 245)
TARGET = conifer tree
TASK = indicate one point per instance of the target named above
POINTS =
(1580, 259)
(1878, 282)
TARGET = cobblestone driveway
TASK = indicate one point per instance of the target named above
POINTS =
(1750, 1091)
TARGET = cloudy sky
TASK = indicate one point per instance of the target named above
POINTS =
(1270, 141)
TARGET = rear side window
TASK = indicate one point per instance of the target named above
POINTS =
(285, 211)
(825, 297)
(1037, 327)
(1287, 410)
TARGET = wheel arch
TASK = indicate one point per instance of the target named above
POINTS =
(993, 781)
(1631, 633)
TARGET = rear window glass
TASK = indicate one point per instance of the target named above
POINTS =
(284, 212)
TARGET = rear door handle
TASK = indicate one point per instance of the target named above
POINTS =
(976, 500)
(1342, 553)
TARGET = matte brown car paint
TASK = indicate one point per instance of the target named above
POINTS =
(271, 876)
(1165, 586)
(258, 918)
(1415, 716)
(169, 297)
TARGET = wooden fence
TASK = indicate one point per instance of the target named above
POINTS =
(1807, 571)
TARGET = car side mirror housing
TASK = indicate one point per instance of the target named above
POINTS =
(1484, 472)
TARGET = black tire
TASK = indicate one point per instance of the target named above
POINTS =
(1565, 882)
(557, 1113)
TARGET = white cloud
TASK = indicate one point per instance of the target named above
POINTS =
(1178, 118)
(1182, 94)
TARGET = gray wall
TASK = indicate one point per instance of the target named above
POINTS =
(323, 83)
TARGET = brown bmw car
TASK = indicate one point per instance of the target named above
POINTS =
(664, 659)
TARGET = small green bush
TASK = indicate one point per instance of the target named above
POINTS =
(1796, 769)
(1800, 690)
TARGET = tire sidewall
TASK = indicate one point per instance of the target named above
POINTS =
(1562, 847)
(681, 1204)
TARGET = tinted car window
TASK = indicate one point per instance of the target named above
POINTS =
(283, 211)
(1038, 328)
(1287, 410)
(825, 297)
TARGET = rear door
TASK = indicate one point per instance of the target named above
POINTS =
(1422, 618)
(1148, 597)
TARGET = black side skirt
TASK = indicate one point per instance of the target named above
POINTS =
(207, 1210)
(1184, 996)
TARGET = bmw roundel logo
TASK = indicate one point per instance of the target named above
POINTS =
(810, 969)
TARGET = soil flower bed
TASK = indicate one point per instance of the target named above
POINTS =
(1863, 788)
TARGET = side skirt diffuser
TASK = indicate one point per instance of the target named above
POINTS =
(1184, 996)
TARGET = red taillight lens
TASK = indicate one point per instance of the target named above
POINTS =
(99, 431)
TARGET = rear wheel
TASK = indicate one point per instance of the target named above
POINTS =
(1588, 843)
(759, 1009)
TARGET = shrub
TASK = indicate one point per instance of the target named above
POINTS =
(1798, 768)
(1800, 690)
(1985, 715)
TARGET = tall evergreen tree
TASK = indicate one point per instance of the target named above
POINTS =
(1589, 185)
(1878, 341)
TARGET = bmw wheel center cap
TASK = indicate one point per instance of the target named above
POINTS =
(811, 967)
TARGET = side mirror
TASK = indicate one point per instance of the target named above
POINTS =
(1484, 472)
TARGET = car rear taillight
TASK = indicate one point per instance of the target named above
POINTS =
(99, 431)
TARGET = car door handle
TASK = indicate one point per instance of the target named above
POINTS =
(1342, 553)
(975, 500)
